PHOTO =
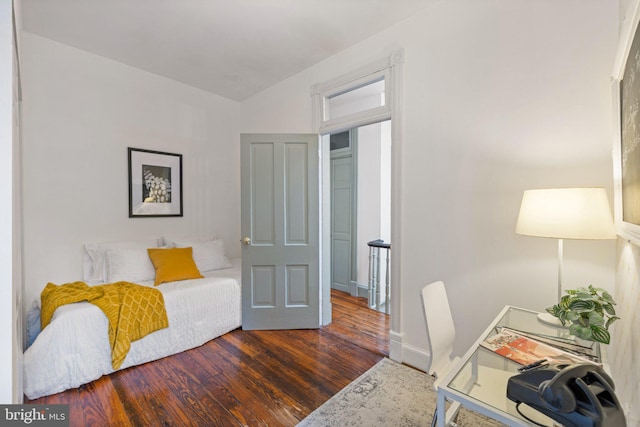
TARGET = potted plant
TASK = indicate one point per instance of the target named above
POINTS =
(589, 313)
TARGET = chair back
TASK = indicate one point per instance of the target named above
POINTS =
(440, 327)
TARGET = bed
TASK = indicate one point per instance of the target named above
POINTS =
(73, 349)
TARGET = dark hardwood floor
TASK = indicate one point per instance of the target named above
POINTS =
(252, 378)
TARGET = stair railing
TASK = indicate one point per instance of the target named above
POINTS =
(374, 290)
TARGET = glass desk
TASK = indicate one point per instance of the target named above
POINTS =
(479, 381)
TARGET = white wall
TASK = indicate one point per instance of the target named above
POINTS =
(368, 196)
(499, 96)
(81, 112)
(10, 278)
(373, 200)
(625, 340)
(18, 276)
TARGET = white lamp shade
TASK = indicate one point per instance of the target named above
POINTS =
(566, 213)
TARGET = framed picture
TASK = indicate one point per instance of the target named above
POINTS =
(155, 183)
(626, 146)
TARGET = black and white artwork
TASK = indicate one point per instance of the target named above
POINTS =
(626, 146)
(630, 135)
(155, 183)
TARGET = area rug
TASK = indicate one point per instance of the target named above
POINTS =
(388, 394)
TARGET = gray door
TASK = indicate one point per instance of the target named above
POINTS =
(341, 222)
(280, 210)
(343, 150)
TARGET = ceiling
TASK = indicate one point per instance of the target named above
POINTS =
(233, 48)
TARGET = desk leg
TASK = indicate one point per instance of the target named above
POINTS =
(474, 369)
(441, 411)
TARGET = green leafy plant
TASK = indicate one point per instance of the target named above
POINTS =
(589, 313)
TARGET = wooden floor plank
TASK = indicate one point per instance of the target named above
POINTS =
(105, 406)
(243, 378)
(71, 398)
(256, 397)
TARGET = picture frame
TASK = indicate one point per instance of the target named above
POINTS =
(626, 143)
(155, 183)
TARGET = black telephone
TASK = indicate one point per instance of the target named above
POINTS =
(577, 395)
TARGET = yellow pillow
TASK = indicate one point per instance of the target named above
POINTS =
(173, 264)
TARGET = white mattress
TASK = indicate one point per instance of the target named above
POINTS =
(74, 348)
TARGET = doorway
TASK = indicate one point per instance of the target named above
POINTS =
(361, 211)
(336, 107)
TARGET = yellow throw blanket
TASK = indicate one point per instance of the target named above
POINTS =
(133, 310)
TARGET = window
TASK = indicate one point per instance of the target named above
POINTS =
(339, 141)
(356, 99)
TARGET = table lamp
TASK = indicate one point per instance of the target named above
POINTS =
(565, 213)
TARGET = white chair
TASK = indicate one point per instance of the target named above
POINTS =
(440, 327)
(442, 334)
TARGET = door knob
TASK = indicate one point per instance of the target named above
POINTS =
(246, 241)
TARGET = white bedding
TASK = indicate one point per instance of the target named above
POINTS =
(74, 348)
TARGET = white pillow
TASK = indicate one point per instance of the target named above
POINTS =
(94, 257)
(170, 241)
(130, 265)
(208, 256)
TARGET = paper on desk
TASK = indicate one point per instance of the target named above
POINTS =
(525, 350)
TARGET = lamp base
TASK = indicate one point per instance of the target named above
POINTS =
(550, 320)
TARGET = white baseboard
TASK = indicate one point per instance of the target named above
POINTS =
(359, 290)
(416, 357)
(395, 346)
(407, 354)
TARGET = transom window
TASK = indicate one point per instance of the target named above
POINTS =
(357, 99)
